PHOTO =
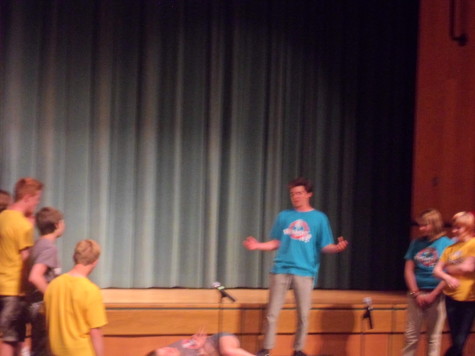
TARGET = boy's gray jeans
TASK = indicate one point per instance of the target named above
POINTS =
(279, 285)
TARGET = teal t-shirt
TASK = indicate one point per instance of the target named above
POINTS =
(302, 235)
(425, 255)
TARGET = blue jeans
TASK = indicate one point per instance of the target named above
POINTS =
(460, 316)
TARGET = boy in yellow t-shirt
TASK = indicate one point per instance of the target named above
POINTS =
(75, 312)
(16, 237)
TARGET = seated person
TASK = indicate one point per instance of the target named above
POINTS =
(224, 344)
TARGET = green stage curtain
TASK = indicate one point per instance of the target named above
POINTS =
(168, 130)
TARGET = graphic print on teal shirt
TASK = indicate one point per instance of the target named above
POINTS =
(302, 235)
(425, 255)
(299, 230)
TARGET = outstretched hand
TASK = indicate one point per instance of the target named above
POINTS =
(199, 338)
(250, 243)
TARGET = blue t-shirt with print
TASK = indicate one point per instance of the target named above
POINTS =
(425, 255)
(302, 235)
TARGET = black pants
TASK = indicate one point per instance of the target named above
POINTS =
(460, 316)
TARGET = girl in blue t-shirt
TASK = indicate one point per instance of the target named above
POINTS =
(425, 298)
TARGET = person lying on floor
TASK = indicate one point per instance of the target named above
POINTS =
(221, 344)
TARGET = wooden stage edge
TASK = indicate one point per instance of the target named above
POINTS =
(136, 297)
(153, 296)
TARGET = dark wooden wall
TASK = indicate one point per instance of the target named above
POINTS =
(444, 149)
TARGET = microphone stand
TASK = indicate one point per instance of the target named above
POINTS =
(366, 326)
(220, 319)
(220, 314)
(367, 315)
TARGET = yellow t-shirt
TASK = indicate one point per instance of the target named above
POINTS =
(16, 234)
(73, 307)
(455, 254)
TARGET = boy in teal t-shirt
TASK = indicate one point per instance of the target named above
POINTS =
(299, 235)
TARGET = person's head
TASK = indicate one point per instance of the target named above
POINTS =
(431, 223)
(5, 200)
(463, 224)
(86, 252)
(49, 220)
(300, 191)
(28, 191)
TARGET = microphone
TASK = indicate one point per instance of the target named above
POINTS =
(369, 307)
(222, 290)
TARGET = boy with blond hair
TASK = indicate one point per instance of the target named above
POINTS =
(460, 286)
(75, 312)
(44, 267)
(16, 237)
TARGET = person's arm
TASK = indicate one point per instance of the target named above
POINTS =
(199, 338)
(468, 265)
(37, 277)
(340, 246)
(25, 254)
(229, 345)
(252, 244)
(428, 298)
(97, 341)
(410, 277)
(422, 299)
(447, 278)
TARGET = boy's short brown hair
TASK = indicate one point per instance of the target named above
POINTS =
(47, 218)
(301, 181)
(26, 186)
(86, 252)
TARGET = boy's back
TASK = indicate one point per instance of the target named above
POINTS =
(75, 312)
(74, 306)
(44, 252)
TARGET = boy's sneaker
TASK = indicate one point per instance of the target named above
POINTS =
(299, 353)
(263, 352)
